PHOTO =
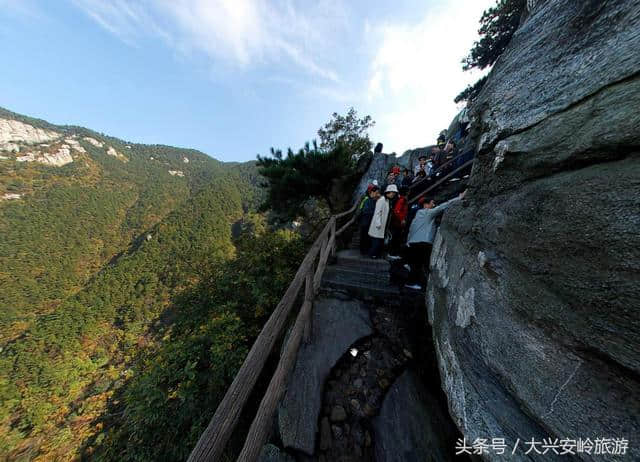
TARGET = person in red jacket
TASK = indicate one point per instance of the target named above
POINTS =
(399, 214)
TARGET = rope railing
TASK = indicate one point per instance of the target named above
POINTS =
(214, 439)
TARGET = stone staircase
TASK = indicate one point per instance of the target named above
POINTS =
(359, 276)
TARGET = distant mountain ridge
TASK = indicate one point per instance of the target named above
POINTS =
(98, 236)
(51, 177)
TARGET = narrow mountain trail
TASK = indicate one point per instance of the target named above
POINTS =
(366, 386)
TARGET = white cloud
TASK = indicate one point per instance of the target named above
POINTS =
(416, 73)
(405, 74)
(241, 33)
(125, 19)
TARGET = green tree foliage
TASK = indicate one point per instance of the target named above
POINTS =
(297, 176)
(177, 384)
(73, 220)
(94, 259)
(471, 92)
(348, 131)
(69, 359)
(313, 171)
(126, 305)
(497, 26)
(174, 390)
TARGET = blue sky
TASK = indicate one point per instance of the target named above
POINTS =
(234, 77)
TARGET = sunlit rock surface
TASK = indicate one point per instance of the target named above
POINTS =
(14, 131)
(94, 142)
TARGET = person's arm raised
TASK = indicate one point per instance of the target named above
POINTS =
(442, 207)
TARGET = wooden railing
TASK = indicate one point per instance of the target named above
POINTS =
(214, 439)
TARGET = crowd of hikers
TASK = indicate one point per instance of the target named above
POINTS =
(407, 233)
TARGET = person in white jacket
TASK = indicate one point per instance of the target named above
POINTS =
(420, 239)
(379, 222)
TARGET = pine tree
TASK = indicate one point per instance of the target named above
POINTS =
(497, 26)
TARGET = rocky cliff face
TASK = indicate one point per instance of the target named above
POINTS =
(14, 131)
(22, 142)
(535, 282)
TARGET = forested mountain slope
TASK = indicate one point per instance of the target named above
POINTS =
(107, 247)
(71, 199)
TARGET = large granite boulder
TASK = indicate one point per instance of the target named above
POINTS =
(336, 324)
(535, 285)
(378, 169)
(411, 427)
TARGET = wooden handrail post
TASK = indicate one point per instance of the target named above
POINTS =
(346, 225)
(348, 212)
(261, 426)
(308, 298)
(333, 234)
(322, 263)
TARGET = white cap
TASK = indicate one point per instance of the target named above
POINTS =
(391, 188)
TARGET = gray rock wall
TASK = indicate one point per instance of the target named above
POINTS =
(534, 293)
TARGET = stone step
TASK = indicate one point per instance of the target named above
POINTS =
(352, 258)
(359, 283)
(365, 274)
(355, 242)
